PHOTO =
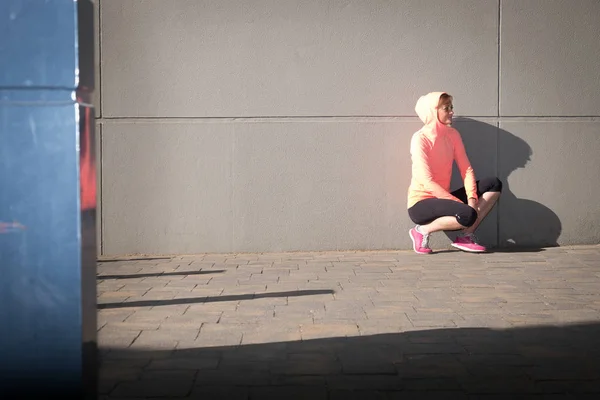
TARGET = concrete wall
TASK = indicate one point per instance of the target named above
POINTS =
(276, 125)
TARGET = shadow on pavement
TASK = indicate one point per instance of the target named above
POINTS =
(125, 259)
(200, 299)
(159, 274)
(558, 362)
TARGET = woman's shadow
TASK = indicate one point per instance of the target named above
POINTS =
(515, 223)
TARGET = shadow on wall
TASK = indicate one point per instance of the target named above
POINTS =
(496, 152)
(441, 363)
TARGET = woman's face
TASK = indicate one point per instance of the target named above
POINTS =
(445, 112)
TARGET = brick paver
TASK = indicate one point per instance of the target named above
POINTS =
(350, 325)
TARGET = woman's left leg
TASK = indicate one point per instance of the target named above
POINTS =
(485, 205)
(488, 192)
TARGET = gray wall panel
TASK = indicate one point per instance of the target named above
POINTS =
(550, 54)
(255, 187)
(99, 220)
(166, 188)
(295, 58)
(321, 185)
(97, 88)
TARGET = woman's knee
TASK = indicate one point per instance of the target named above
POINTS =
(497, 185)
(492, 184)
(467, 216)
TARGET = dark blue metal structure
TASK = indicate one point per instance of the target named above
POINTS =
(47, 200)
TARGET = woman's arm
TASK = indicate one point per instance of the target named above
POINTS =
(464, 166)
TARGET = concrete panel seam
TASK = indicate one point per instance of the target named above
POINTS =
(99, 33)
(99, 164)
(499, 55)
(349, 119)
(497, 174)
(346, 119)
(263, 117)
(233, 188)
(498, 113)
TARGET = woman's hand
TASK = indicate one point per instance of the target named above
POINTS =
(474, 203)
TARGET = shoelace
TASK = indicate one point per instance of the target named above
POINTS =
(473, 238)
(425, 242)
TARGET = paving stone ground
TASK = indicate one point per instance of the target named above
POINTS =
(352, 325)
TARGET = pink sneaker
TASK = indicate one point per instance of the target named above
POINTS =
(468, 243)
(420, 242)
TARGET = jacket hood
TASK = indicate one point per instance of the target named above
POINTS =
(426, 108)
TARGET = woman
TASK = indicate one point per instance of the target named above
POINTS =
(431, 205)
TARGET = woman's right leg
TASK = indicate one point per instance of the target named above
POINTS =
(441, 224)
(442, 215)
(433, 215)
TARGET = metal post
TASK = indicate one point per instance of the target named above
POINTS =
(47, 200)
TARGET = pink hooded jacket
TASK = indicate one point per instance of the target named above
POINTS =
(433, 149)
